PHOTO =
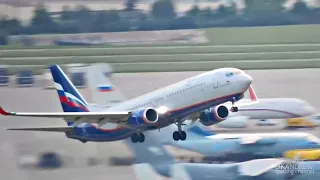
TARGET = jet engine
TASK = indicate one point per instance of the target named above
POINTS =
(146, 116)
(214, 115)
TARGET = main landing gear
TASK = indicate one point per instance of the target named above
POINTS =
(137, 137)
(179, 135)
(233, 108)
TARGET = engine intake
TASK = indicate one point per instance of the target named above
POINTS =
(214, 115)
(146, 116)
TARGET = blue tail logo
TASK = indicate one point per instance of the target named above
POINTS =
(70, 99)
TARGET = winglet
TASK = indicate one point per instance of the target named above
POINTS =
(252, 94)
(5, 113)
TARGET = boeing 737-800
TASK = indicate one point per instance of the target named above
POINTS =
(200, 95)
(253, 108)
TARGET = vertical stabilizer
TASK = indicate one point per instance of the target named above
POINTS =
(145, 172)
(179, 173)
(103, 91)
(69, 97)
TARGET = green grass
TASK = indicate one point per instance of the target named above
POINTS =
(231, 36)
(156, 50)
(265, 35)
(163, 58)
(195, 66)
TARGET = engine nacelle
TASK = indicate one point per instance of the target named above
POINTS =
(234, 122)
(146, 116)
(214, 115)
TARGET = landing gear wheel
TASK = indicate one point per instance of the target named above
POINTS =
(134, 138)
(141, 137)
(183, 135)
(176, 135)
(234, 109)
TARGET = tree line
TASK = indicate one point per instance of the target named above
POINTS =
(163, 16)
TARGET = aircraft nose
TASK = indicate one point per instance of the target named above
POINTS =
(310, 110)
(246, 79)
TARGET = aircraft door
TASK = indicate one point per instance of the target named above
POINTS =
(215, 81)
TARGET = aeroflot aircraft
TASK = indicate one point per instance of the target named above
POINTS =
(173, 104)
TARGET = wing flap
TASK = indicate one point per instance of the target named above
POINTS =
(49, 129)
(89, 117)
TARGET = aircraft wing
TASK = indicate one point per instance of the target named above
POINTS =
(259, 166)
(88, 117)
(49, 129)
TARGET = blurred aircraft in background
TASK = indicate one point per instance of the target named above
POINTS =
(241, 147)
(153, 161)
(267, 109)
(154, 110)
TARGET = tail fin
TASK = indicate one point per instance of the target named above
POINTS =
(145, 171)
(103, 91)
(179, 172)
(70, 99)
(252, 94)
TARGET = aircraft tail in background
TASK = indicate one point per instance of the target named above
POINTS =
(151, 151)
(104, 93)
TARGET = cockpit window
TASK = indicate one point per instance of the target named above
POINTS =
(229, 74)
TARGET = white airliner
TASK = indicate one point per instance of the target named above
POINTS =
(253, 108)
(199, 96)
(269, 108)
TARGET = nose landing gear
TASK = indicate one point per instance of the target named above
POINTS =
(233, 108)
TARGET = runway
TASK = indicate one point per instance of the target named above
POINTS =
(14, 145)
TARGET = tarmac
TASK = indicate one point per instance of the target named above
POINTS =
(16, 145)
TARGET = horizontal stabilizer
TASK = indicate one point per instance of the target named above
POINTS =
(259, 166)
(145, 171)
(49, 129)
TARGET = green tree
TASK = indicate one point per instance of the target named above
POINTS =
(224, 11)
(300, 8)
(163, 9)
(66, 13)
(42, 22)
(194, 11)
(259, 7)
(130, 4)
